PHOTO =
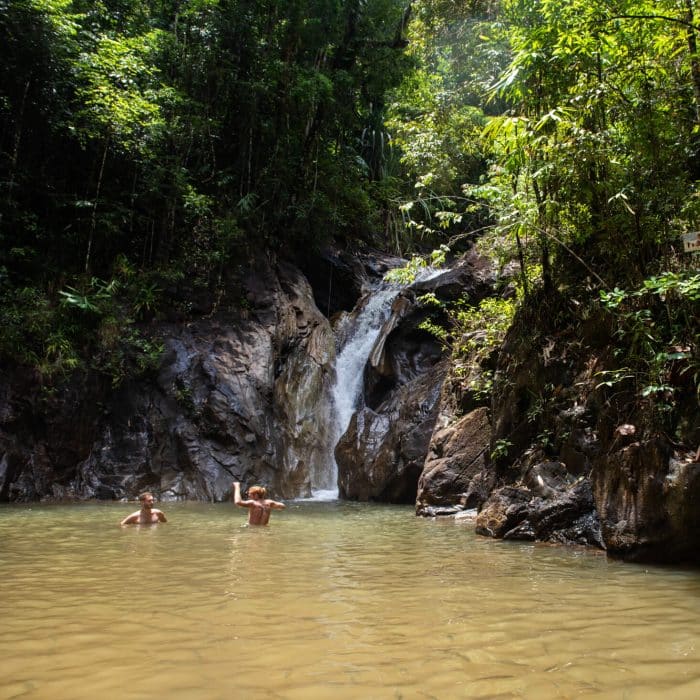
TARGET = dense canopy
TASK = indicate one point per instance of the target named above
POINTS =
(148, 146)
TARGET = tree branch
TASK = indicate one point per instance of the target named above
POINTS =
(665, 18)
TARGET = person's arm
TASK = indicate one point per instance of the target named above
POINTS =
(237, 496)
(276, 505)
(130, 519)
(161, 516)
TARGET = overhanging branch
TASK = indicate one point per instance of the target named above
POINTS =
(665, 18)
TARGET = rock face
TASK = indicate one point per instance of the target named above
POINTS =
(240, 395)
(44, 436)
(339, 278)
(550, 403)
(456, 471)
(383, 452)
(648, 500)
(549, 506)
(234, 399)
(472, 277)
(381, 455)
(555, 456)
(573, 461)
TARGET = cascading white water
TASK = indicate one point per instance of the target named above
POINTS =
(345, 393)
(361, 335)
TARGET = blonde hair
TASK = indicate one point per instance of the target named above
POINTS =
(254, 491)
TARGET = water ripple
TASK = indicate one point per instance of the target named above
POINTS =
(332, 600)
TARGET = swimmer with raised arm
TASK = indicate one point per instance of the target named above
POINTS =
(259, 507)
(147, 515)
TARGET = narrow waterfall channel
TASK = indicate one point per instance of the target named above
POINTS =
(360, 329)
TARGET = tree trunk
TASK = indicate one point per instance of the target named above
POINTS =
(694, 61)
(544, 242)
(519, 244)
(15, 145)
(93, 218)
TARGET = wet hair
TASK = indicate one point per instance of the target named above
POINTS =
(145, 495)
(254, 491)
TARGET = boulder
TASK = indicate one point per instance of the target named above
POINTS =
(553, 509)
(647, 499)
(472, 277)
(381, 455)
(456, 470)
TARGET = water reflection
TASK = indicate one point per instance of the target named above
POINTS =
(331, 600)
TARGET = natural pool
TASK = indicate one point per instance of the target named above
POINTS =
(332, 600)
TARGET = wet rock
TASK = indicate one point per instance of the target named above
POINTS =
(381, 455)
(456, 471)
(506, 508)
(441, 511)
(339, 278)
(455, 475)
(549, 402)
(556, 509)
(402, 353)
(647, 501)
(522, 531)
(682, 487)
(235, 398)
(548, 479)
(472, 277)
(44, 431)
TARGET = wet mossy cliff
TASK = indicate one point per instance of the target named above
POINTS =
(554, 453)
(559, 454)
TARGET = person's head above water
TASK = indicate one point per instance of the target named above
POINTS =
(148, 514)
(258, 506)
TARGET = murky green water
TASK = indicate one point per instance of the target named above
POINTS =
(331, 601)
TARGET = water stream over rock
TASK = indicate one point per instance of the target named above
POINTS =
(358, 333)
(268, 392)
(361, 338)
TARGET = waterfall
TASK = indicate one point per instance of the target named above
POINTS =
(361, 329)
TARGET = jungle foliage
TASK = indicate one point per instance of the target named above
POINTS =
(595, 179)
(565, 135)
(169, 139)
(149, 145)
